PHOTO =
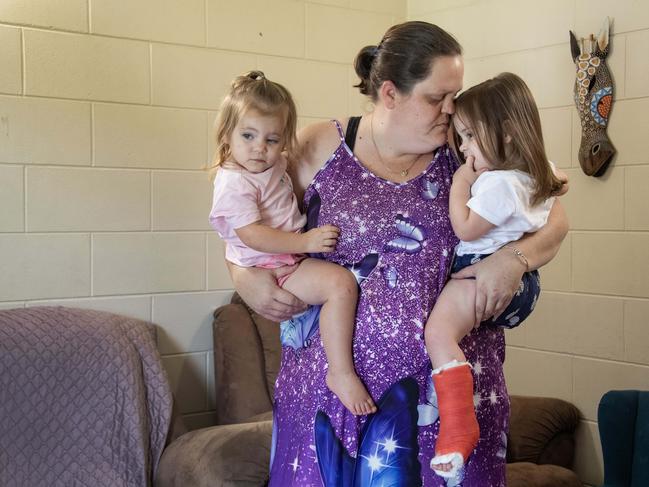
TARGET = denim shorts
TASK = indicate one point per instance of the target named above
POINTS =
(524, 299)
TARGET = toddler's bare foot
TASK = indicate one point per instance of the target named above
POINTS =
(351, 392)
(447, 465)
(441, 467)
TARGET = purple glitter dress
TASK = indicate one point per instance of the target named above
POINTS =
(398, 241)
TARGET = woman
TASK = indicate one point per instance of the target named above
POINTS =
(389, 197)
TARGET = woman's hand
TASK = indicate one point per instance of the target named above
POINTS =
(259, 289)
(497, 279)
(498, 276)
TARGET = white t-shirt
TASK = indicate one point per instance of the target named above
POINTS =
(503, 198)
(241, 198)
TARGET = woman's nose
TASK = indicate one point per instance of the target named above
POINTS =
(449, 105)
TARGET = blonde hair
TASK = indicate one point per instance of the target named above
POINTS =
(253, 91)
(505, 122)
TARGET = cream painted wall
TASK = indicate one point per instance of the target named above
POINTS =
(106, 109)
(590, 332)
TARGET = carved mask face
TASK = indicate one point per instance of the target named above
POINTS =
(593, 97)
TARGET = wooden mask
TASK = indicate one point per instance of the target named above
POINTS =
(594, 98)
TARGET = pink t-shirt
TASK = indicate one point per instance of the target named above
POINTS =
(241, 198)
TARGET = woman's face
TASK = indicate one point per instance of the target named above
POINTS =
(422, 117)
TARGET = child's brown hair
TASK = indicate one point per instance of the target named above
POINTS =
(505, 121)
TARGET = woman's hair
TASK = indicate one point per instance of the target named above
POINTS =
(404, 56)
(253, 91)
(505, 122)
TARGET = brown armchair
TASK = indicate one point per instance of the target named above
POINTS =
(237, 451)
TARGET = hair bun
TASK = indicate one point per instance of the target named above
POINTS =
(256, 75)
(363, 67)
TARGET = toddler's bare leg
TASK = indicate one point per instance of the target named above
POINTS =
(452, 318)
(334, 287)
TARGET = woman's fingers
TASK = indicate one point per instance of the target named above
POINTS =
(497, 278)
(464, 273)
(470, 272)
(282, 306)
(259, 289)
(480, 306)
(284, 303)
(280, 310)
(501, 305)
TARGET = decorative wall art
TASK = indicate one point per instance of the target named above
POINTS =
(594, 98)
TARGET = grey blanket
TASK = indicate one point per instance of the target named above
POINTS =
(84, 400)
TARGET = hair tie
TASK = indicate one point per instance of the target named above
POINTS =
(256, 75)
(374, 51)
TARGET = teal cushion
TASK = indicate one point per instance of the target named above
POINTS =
(623, 420)
(640, 473)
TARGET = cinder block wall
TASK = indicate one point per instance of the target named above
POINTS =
(590, 331)
(106, 112)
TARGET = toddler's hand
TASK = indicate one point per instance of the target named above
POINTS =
(467, 171)
(321, 239)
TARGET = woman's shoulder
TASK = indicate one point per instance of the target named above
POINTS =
(319, 140)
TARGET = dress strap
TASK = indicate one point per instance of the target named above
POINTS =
(339, 127)
(352, 129)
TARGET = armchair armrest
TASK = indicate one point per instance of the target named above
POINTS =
(239, 366)
(541, 431)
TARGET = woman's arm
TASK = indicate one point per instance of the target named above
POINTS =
(497, 276)
(540, 247)
(259, 289)
(270, 240)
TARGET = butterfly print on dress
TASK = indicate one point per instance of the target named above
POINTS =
(410, 236)
(429, 189)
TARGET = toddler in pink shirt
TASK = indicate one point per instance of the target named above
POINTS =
(255, 211)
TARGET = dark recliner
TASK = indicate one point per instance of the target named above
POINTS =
(623, 420)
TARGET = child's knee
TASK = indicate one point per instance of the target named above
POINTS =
(344, 284)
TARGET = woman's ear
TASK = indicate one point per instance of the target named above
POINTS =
(388, 94)
(508, 139)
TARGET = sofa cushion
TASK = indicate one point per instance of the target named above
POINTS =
(525, 474)
(267, 416)
(235, 455)
(541, 430)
